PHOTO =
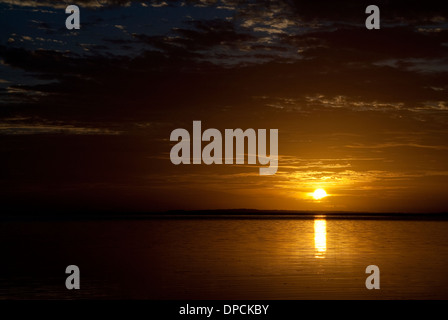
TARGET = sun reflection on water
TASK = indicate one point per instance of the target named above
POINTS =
(320, 237)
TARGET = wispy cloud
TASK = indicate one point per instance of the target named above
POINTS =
(31, 129)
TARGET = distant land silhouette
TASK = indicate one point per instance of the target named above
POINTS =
(67, 214)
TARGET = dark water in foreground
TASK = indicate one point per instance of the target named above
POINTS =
(225, 259)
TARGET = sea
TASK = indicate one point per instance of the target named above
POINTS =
(271, 257)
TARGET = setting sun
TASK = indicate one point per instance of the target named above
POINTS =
(319, 194)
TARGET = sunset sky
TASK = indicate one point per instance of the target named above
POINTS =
(86, 115)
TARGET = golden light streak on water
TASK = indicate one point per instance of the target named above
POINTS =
(320, 238)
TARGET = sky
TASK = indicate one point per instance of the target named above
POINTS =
(86, 115)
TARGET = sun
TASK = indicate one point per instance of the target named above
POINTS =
(319, 194)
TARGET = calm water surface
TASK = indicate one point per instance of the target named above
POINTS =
(225, 259)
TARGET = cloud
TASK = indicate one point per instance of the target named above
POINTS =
(356, 44)
(204, 35)
(58, 4)
(35, 128)
(397, 145)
